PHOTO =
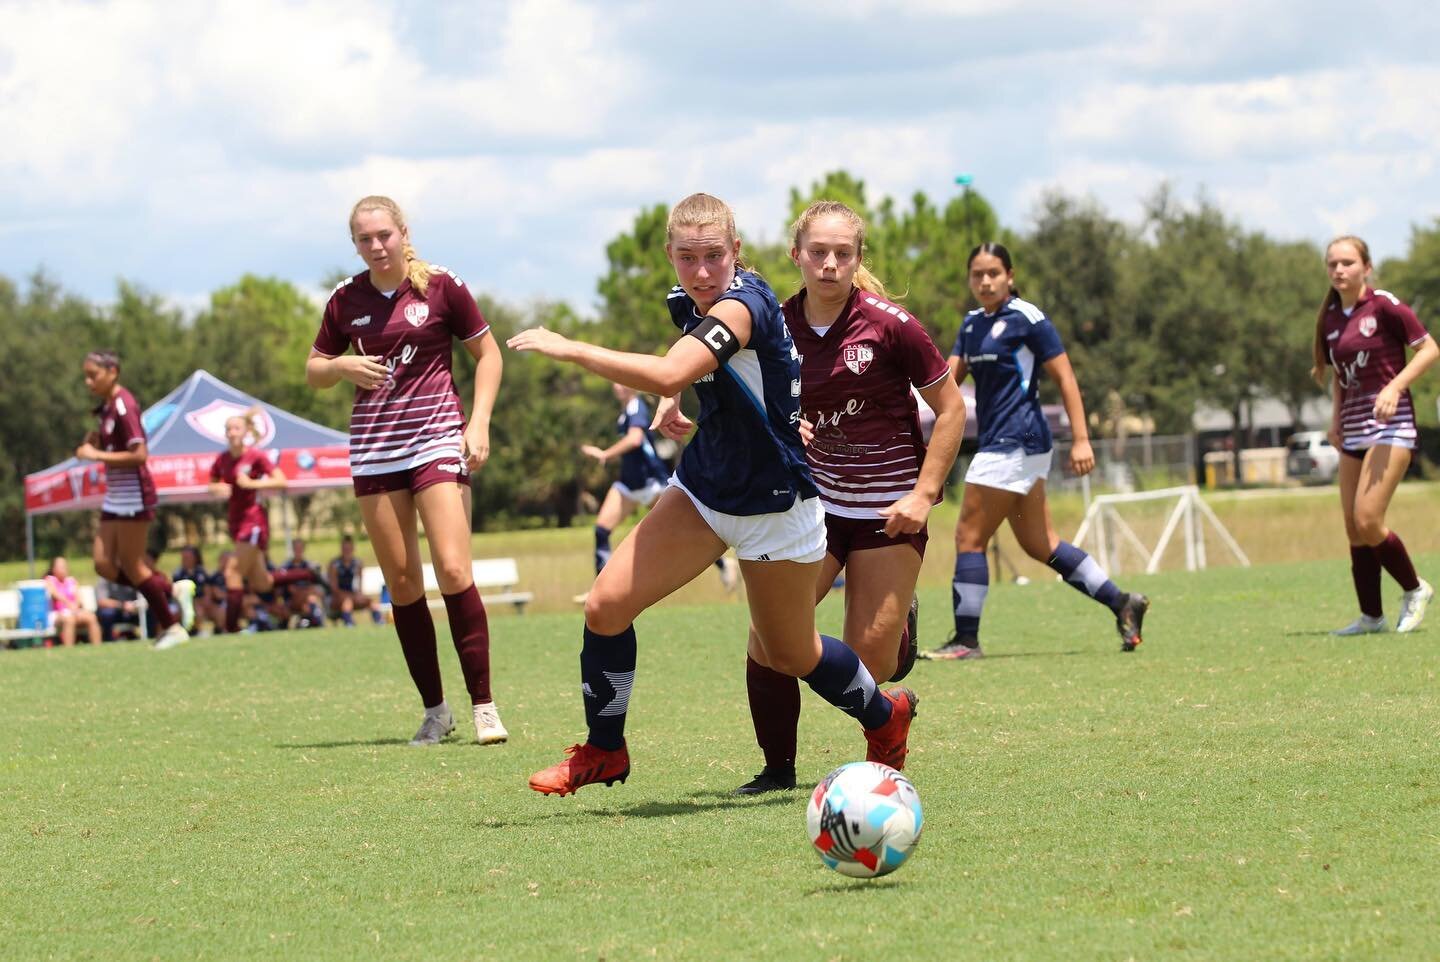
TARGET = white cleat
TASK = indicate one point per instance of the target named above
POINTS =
(1413, 605)
(1364, 625)
(184, 595)
(171, 637)
(489, 730)
(434, 727)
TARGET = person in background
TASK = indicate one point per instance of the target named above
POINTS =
(66, 611)
(192, 569)
(117, 607)
(344, 579)
(304, 590)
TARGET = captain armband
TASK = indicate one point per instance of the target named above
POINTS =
(713, 333)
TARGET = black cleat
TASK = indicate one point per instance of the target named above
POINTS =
(769, 780)
(909, 652)
(955, 649)
(1130, 619)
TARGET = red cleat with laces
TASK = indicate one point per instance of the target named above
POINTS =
(583, 765)
(888, 743)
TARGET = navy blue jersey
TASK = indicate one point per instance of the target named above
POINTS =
(1002, 351)
(347, 574)
(640, 466)
(747, 457)
(196, 574)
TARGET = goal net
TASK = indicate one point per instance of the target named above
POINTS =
(1114, 538)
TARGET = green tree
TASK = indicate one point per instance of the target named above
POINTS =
(1415, 279)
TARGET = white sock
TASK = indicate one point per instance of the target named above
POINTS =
(438, 710)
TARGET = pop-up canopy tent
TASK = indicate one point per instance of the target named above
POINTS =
(185, 431)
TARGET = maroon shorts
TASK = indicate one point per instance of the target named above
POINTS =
(414, 480)
(844, 535)
(146, 515)
(251, 532)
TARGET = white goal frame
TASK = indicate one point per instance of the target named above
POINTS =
(1189, 515)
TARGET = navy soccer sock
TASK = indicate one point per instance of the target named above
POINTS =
(967, 594)
(602, 547)
(842, 679)
(1083, 573)
(607, 671)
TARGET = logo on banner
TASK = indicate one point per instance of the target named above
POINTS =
(858, 357)
(77, 482)
(1367, 327)
(416, 313)
(209, 421)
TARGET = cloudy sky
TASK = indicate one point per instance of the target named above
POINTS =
(179, 145)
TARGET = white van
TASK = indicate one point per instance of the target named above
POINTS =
(1311, 457)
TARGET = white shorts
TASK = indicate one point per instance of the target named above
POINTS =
(794, 535)
(1008, 470)
(645, 496)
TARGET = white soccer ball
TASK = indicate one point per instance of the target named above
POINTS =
(864, 819)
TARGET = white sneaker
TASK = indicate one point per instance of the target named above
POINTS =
(184, 594)
(488, 728)
(1413, 605)
(434, 727)
(729, 573)
(172, 636)
(1364, 625)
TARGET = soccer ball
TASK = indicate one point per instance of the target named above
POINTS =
(864, 819)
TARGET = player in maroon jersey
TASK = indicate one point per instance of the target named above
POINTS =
(411, 448)
(1362, 334)
(239, 474)
(860, 355)
(129, 504)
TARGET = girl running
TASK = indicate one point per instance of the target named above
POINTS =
(742, 483)
(130, 500)
(861, 353)
(1362, 334)
(1000, 343)
(411, 449)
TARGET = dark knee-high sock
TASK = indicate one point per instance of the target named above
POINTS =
(602, 547)
(1084, 574)
(234, 603)
(417, 640)
(775, 712)
(157, 595)
(1365, 572)
(842, 679)
(121, 578)
(1392, 554)
(967, 594)
(607, 673)
(470, 630)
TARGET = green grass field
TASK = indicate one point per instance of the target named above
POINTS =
(1243, 787)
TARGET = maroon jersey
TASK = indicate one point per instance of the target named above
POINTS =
(1367, 349)
(415, 417)
(245, 508)
(855, 389)
(127, 490)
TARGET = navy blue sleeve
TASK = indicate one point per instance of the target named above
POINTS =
(1044, 340)
(637, 415)
(758, 299)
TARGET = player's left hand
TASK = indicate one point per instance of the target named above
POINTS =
(541, 341)
(670, 421)
(591, 451)
(1386, 403)
(475, 446)
(1082, 458)
(906, 516)
(807, 432)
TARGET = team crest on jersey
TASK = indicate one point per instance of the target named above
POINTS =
(1367, 327)
(858, 357)
(997, 329)
(416, 313)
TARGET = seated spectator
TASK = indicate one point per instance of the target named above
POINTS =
(192, 569)
(117, 610)
(345, 596)
(306, 599)
(210, 599)
(66, 612)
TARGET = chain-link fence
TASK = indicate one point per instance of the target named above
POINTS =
(1123, 465)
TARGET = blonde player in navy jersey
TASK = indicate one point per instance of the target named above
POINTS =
(1002, 343)
(742, 483)
(860, 355)
(411, 449)
(130, 499)
(1362, 334)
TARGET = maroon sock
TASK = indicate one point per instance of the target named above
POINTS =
(234, 604)
(121, 578)
(470, 630)
(1396, 559)
(157, 595)
(1365, 570)
(775, 712)
(289, 576)
(417, 641)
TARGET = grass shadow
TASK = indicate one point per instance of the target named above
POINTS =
(696, 803)
(850, 886)
(1020, 654)
(357, 743)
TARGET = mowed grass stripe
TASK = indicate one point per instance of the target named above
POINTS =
(1244, 786)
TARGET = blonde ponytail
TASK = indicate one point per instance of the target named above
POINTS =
(416, 270)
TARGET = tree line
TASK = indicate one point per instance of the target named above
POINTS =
(1186, 306)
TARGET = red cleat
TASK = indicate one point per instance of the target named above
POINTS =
(583, 765)
(887, 744)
